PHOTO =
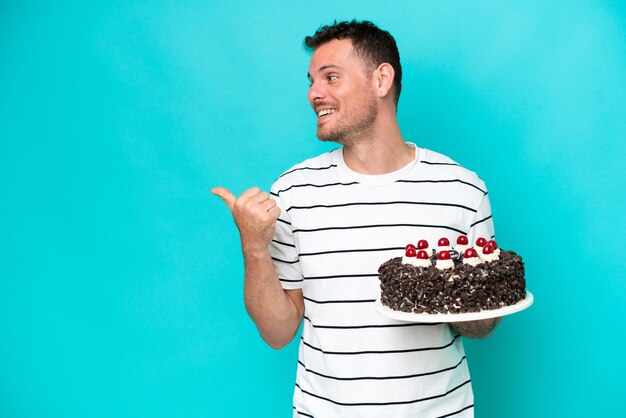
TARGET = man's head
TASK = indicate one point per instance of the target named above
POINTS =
(373, 45)
(354, 89)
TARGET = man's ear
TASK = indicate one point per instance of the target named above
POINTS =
(383, 77)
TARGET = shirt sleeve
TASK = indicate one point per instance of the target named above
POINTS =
(482, 224)
(283, 248)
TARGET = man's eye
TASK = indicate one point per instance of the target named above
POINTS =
(332, 77)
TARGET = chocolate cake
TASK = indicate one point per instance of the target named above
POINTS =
(452, 280)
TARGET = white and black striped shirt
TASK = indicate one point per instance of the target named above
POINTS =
(335, 229)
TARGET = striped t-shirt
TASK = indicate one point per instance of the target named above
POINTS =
(335, 229)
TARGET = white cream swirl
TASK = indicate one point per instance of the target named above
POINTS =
(444, 264)
(461, 248)
(472, 261)
(489, 257)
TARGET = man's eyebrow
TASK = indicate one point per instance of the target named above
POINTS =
(322, 68)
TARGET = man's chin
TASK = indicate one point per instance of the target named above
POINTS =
(329, 137)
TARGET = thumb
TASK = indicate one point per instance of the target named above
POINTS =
(225, 195)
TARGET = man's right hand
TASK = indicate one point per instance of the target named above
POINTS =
(255, 214)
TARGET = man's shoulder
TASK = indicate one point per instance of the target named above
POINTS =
(442, 164)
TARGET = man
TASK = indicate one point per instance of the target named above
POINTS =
(312, 246)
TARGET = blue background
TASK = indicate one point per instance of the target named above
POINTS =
(121, 276)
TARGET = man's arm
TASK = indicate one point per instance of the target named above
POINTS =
(276, 312)
(476, 329)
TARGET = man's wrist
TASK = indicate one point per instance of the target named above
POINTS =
(256, 253)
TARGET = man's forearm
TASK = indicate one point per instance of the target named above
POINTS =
(476, 329)
(276, 314)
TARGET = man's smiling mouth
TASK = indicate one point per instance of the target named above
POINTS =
(325, 112)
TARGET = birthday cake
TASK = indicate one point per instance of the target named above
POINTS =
(452, 279)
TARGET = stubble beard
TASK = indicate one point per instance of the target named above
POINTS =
(357, 128)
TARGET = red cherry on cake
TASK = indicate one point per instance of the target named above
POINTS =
(487, 249)
(443, 242)
(470, 252)
(493, 244)
(422, 244)
(410, 252)
(443, 255)
(409, 246)
(462, 240)
(422, 255)
(481, 242)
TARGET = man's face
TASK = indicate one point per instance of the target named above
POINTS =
(341, 93)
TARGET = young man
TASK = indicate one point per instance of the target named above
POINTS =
(313, 245)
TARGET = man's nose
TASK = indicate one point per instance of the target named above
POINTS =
(315, 93)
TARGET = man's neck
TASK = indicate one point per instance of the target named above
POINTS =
(381, 152)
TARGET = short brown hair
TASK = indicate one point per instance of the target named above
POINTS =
(372, 44)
